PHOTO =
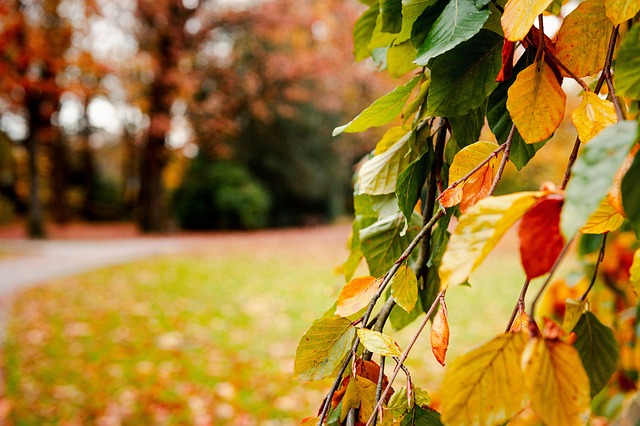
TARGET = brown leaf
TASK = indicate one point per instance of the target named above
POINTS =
(540, 239)
(440, 335)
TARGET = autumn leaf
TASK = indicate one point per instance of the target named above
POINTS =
(540, 239)
(521, 323)
(556, 381)
(604, 219)
(322, 348)
(477, 186)
(404, 288)
(536, 102)
(582, 41)
(356, 294)
(478, 232)
(619, 11)
(360, 395)
(310, 421)
(519, 15)
(486, 385)
(440, 335)
(634, 273)
(592, 116)
(378, 343)
(572, 313)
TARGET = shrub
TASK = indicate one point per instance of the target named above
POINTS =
(220, 195)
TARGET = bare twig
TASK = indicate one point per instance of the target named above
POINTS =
(505, 158)
(405, 354)
(595, 272)
(612, 94)
(572, 159)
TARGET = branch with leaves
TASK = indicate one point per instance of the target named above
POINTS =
(466, 70)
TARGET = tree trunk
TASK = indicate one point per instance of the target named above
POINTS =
(59, 179)
(35, 215)
(151, 206)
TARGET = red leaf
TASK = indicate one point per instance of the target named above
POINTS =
(508, 49)
(540, 239)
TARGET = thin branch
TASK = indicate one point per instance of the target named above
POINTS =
(519, 305)
(334, 388)
(561, 256)
(540, 38)
(405, 354)
(497, 5)
(595, 272)
(572, 159)
(476, 168)
(503, 163)
(567, 70)
(380, 379)
(612, 93)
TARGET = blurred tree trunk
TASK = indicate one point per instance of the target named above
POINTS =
(59, 179)
(88, 170)
(35, 214)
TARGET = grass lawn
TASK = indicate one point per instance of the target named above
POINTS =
(204, 338)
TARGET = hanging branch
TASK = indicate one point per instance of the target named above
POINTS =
(519, 305)
(405, 354)
(505, 158)
(595, 272)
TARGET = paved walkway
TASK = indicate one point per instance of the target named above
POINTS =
(24, 263)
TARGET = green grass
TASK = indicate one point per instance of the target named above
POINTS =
(204, 338)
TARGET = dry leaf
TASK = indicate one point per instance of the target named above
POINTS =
(356, 294)
(440, 335)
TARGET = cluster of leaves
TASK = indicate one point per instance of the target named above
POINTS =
(472, 62)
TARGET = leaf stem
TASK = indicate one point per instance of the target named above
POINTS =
(519, 305)
(595, 272)
(405, 354)
(505, 158)
(561, 256)
(567, 70)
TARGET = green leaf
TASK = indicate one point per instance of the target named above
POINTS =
(400, 318)
(593, 174)
(381, 111)
(466, 129)
(485, 386)
(391, 11)
(411, 11)
(422, 25)
(478, 232)
(382, 243)
(493, 23)
(627, 77)
(410, 183)
(420, 416)
(378, 343)
(464, 77)
(598, 350)
(376, 206)
(460, 20)
(404, 288)
(379, 175)
(500, 121)
(322, 348)
(400, 59)
(631, 192)
(363, 31)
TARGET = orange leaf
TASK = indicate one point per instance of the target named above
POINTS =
(519, 15)
(521, 322)
(582, 41)
(355, 295)
(536, 102)
(451, 196)
(540, 238)
(477, 187)
(440, 335)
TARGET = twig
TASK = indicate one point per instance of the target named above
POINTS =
(595, 272)
(505, 158)
(497, 5)
(519, 305)
(540, 38)
(405, 354)
(379, 384)
(561, 256)
(612, 93)
(567, 70)
(572, 159)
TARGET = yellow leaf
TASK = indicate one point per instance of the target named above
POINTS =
(477, 186)
(615, 193)
(583, 38)
(440, 335)
(536, 102)
(486, 385)
(557, 382)
(389, 139)
(519, 16)
(404, 288)
(322, 348)
(619, 11)
(573, 310)
(379, 343)
(604, 219)
(478, 232)
(634, 273)
(360, 395)
(355, 295)
(593, 115)
(310, 421)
